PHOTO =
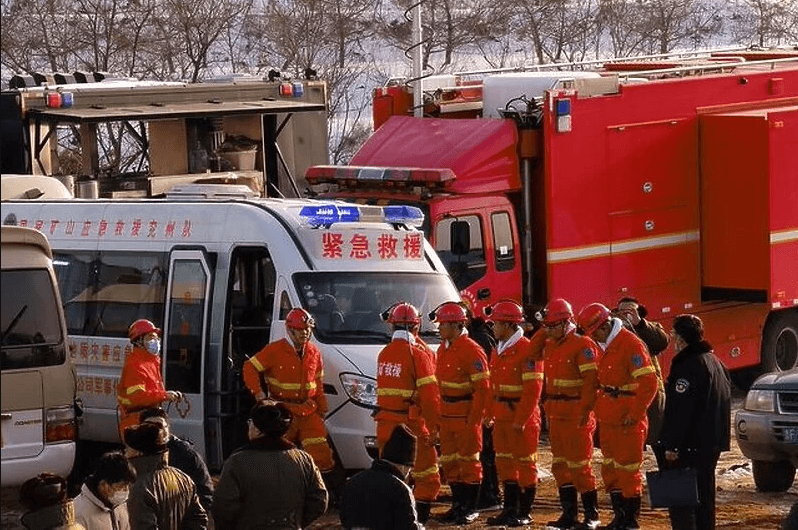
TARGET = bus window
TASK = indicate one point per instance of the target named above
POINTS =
(185, 329)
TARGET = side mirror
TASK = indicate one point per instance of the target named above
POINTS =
(460, 237)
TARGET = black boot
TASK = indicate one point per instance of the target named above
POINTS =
(617, 509)
(524, 507)
(422, 509)
(569, 508)
(590, 505)
(468, 504)
(510, 510)
(451, 514)
(631, 512)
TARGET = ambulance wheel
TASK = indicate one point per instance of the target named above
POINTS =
(780, 342)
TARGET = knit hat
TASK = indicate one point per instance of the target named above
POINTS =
(147, 438)
(400, 447)
(271, 418)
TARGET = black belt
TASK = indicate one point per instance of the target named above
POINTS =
(507, 399)
(562, 397)
(292, 401)
(614, 391)
(457, 399)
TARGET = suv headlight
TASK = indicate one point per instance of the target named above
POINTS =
(761, 400)
(360, 389)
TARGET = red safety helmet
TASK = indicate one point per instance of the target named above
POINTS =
(298, 318)
(404, 313)
(556, 311)
(592, 316)
(507, 311)
(141, 327)
(449, 312)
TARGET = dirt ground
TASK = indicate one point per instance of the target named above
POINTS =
(739, 505)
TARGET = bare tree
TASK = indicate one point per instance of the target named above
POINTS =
(764, 22)
(670, 23)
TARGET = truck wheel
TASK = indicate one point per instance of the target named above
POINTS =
(780, 343)
(773, 476)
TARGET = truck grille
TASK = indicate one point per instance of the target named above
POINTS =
(786, 431)
(788, 402)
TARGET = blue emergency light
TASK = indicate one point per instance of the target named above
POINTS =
(327, 214)
(400, 213)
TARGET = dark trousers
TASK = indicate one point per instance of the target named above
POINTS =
(701, 517)
(490, 480)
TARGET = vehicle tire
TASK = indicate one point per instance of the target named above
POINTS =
(773, 476)
(780, 342)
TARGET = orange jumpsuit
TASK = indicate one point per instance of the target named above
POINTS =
(462, 373)
(140, 387)
(628, 385)
(571, 391)
(407, 393)
(516, 383)
(299, 383)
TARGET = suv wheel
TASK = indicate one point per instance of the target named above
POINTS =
(773, 476)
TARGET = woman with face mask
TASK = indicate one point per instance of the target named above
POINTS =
(102, 503)
(141, 386)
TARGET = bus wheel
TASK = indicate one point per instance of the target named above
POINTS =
(780, 342)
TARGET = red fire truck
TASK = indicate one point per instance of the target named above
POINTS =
(673, 181)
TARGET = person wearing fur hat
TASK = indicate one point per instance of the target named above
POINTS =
(697, 422)
(379, 498)
(162, 497)
(49, 507)
(269, 483)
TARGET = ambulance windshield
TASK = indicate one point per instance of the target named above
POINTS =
(347, 305)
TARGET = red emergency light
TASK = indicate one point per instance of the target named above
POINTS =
(366, 176)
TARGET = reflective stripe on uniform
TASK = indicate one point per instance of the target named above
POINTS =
(575, 465)
(531, 376)
(311, 441)
(643, 371)
(529, 458)
(568, 383)
(468, 458)
(284, 386)
(459, 386)
(447, 458)
(426, 472)
(504, 455)
(124, 401)
(394, 392)
(426, 380)
(587, 366)
(256, 364)
(479, 376)
(510, 388)
(135, 388)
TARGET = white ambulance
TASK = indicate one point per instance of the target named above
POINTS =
(218, 269)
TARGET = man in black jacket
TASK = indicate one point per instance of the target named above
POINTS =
(379, 498)
(697, 418)
(183, 456)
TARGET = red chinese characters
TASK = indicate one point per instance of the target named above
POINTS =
(360, 247)
(386, 246)
(331, 244)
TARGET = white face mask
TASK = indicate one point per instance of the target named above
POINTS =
(119, 497)
(153, 346)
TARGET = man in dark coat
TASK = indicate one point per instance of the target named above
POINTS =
(697, 418)
(379, 498)
(183, 456)
(162, 497)
(269, 483)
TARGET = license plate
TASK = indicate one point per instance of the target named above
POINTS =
(791, 435)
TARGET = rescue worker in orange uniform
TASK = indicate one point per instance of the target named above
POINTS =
(407, 392)
(293, 374)
(462, 373)
(628, 384)
(571, 391)
(141, 385)
(516, 383)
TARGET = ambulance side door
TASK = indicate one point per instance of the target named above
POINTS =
(185, 341)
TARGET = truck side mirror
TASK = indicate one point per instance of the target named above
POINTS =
(460, 237)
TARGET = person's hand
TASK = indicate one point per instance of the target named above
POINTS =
(487, 423)
(173, 395)
(518, 427)
(671, 456)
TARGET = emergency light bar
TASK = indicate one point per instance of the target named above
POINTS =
(356, 176)
(325, 215)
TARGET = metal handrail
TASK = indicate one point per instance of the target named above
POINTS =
(704, 68)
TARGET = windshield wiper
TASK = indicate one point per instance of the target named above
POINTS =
(14, 322)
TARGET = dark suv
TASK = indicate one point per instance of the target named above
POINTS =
(767, 429)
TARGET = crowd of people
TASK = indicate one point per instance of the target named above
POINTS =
(468, 414)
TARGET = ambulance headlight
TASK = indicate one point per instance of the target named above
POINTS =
(360, 389)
